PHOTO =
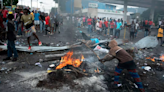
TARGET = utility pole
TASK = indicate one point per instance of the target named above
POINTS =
(31, 4)
(37, 4)
(11, 4)
(1, 4)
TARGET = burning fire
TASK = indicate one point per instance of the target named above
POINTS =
(68, 60)
(152, 59)
(162, 58)
(97, 70)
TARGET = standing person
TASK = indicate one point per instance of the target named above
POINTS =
(94, 23)
(106, 27)
(42, 19)
(112, 25)
(160, 22)
(150, 26)
(146, 29)
(125, 62)
(84, 21)
(132, 30)
(36, 20)
(4, 12)
(97, 26)
(28, 22)
(100, 26)
(57, 24)
(160, 34)
(47, 20)
(136, 29)
(52, 23)
(18, 20)
(118, 28)
(89, 24)
(11, 38)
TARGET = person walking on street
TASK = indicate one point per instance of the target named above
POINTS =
(28, 22)
(94, 23)
(150, 26)
(125, 62)
(106, 27)
(159, 23)
(89, 25)
(118, 28)
(97, 26)
(11, 37)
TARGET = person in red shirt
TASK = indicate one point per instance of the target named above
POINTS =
(89, 24)
(47, 20)
(111, 27)
(106, 26)
(4, 12)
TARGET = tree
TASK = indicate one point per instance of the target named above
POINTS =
(8, 2)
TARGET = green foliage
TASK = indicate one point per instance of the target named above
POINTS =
(157, 14)
(8, 2)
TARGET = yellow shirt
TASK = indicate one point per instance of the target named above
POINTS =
(32, 14)
(160, 32)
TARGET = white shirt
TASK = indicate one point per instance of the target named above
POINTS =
(97, 26)
(137, 25)
(160, 22)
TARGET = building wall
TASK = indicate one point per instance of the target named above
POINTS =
(78, 4)
(100, 5)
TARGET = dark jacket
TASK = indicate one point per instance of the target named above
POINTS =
(10, 33)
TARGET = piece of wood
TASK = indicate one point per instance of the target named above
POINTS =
(92, 51)
(74, 69)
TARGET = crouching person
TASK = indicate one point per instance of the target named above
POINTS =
(11, 38)
(125, 62)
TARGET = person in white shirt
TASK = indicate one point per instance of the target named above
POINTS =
(136, 29)
(97, 26)
(160, 22)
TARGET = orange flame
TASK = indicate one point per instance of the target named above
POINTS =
(68, 60)
(162, 58)
(97, 70)
(152, 59)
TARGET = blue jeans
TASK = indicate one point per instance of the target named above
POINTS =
(135, 34)
(16, 25)
(11, 48)
(41, 24)
(19, 29)
(146, 33)
(117, 33)
(106, 30)
(89, 28)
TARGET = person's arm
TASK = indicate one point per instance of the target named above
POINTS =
(108, 57)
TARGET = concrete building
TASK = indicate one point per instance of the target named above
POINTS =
(93, 8)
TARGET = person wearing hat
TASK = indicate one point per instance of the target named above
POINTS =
(125, 62)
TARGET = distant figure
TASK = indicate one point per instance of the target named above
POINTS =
(136, 28)
(160, 22)
(160, 34)
(83, 21)
(118, 28)
(36, 20)
(4, 12)
(89, 25)
(132, 30)
(106, 27)
(146, 29)
(97, 26)
(112, 25)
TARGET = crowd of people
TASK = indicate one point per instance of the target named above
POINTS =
(103, 25)
(23, 22)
